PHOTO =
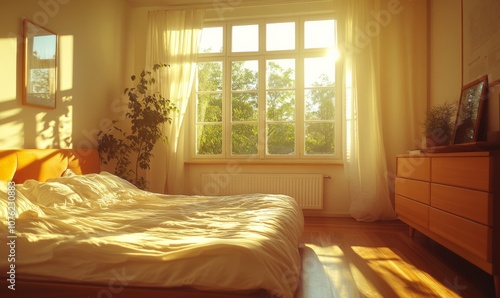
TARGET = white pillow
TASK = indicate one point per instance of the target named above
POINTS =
(49, 194)
(95, 186)
(68, 173)
(105, 189)
(13, 201)
(113, 181)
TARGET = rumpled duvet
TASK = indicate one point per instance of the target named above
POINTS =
(98, 227)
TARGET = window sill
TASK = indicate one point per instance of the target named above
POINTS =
(266, 163)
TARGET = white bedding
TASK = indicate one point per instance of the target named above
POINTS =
(99, 228)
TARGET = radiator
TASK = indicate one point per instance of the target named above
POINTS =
(307, 189)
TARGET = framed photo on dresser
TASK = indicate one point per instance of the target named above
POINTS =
(469, 111)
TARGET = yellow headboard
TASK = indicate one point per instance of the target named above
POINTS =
(18, 165)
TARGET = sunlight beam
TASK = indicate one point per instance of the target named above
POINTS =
(66, 45)
(10, 126)
(8, 75)
(386, 264)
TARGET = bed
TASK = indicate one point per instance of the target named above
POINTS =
(81, 232)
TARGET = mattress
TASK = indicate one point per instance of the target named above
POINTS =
(98, 227)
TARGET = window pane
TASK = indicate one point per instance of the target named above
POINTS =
(319, 34)
(319, 71)
(209, 107)
(244, 106)
(280, 36)
(244, 139)
(320, 138)
(268, 126)
(209, 139)
(245, 38)
(280, 73)
(320, 104)
(245, 75)
(280, 105)
(209, 76)
(280, 138)
(211, 40)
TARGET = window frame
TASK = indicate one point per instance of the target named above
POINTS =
(299, 54)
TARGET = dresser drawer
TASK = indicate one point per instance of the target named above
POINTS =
(414, 167)
(413, 189)
(471, 236)
(471, 204)
(412, 212)
(467, 172)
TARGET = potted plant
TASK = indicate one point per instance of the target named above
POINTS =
(438, 125)
(130, 145)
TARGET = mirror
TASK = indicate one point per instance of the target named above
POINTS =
(469, 111)
(40, 67)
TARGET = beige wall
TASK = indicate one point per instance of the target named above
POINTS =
(445, 66)
(91, 62)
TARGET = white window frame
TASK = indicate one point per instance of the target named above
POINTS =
(262, 56)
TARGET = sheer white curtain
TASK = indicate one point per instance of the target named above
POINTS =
(364, 154)
(173, 38)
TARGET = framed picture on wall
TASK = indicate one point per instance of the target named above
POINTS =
(40, 66)
(469, 111)
(480, 40)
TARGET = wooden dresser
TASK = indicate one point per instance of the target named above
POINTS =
(454, 198)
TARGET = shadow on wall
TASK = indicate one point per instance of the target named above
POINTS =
(23, 126)
(30, 127)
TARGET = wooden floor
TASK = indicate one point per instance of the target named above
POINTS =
(346, 258)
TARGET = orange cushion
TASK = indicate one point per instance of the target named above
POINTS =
(8, 164)
(41, 164)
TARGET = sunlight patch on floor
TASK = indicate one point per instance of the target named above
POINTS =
(406, 279)
(364, 271)
(334, 268)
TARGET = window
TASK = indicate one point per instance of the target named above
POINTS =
(267, 90)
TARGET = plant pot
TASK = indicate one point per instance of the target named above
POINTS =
(436, 140)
